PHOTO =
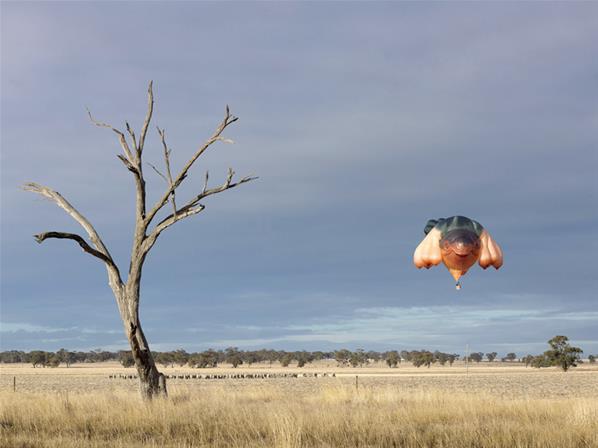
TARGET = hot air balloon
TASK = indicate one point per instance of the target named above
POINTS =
(458, 242)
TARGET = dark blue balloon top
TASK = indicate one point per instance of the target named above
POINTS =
(453, 223)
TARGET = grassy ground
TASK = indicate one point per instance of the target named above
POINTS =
(443, 408)
(335, 416)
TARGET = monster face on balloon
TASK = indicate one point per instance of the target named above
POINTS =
(460, 249)
(458, 242)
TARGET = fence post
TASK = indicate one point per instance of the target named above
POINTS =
(467, 359)
(356, 382)
(14, 383)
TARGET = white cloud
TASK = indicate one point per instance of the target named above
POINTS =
(13, 327)
(413, 326)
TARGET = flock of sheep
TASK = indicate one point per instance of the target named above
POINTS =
(223, 376)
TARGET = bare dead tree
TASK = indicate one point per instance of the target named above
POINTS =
(127, 293)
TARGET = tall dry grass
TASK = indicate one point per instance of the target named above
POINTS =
(267, 416)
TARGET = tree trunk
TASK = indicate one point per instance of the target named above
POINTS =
(152, 383)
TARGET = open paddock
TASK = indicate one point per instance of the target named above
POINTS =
(514, 381)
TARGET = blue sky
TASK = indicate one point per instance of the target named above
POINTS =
(363, 121)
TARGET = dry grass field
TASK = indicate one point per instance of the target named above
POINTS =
(488, 406)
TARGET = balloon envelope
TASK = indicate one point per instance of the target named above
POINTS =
(458, 242)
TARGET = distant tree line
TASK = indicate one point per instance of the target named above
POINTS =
(40, 358)
(232, 356)
(561, 354)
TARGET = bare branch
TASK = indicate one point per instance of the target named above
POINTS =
(158, 172)
(149, 242)
(40, 238)
(121, 138)
(96, 122)
(229, 178)
(228, 119)
(167, 163)
(127, 163)
(131, 133)
(227, 185)
(148, 118)
(132, 163)
(77, 216)
(183, 211)
(205, 184)
(166, 154)
(192, 207)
